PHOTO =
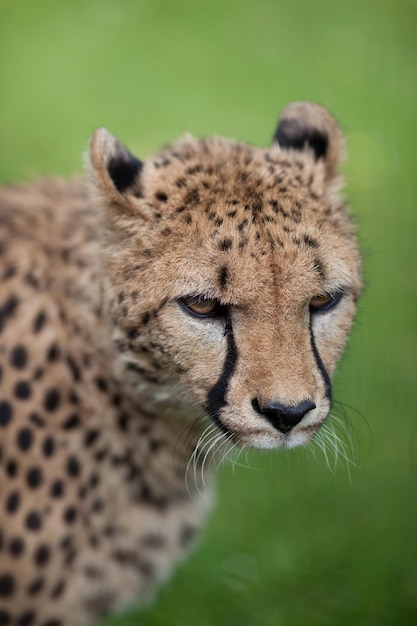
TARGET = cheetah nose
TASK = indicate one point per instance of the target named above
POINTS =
(281, 416)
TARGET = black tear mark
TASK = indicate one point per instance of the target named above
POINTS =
(216, 398)
(322, 369)
(223, 276)
(293, 134)
(123, 170)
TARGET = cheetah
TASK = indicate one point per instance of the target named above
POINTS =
(153, 316)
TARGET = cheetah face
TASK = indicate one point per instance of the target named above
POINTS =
(233, 271)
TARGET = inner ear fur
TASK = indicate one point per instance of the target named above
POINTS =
(308, 126)
(114, 171)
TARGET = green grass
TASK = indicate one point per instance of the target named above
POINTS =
(290, 542)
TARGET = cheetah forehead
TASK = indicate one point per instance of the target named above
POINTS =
(201, 199)
(302, 161)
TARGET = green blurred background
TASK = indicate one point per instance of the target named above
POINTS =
(290, 541)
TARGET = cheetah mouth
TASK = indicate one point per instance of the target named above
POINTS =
(268, 439)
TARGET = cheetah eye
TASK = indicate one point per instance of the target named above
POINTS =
(324, 302)
(202, 307)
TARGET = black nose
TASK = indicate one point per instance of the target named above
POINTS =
(281, 416)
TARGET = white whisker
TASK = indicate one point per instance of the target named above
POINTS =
(212, 445)
(335, 438)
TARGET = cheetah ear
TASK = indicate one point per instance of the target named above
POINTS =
(114, 171)
(306, 126)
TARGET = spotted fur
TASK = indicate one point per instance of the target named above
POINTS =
(114, 393)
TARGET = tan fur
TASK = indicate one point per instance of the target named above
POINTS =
(107, 380)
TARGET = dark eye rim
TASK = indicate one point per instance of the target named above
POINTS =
(335, 299)
(220, 312)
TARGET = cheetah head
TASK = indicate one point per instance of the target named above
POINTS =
(234, 271)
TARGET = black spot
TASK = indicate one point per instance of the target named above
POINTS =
(310, 241)
(192, 197)
(223, 276)
(73, 397)
(33, 521)
(97, 506)
(5, 618)
(146, 569)
(73, 466)
(133, 333)
(100, 455)
(58, 589)
(7, 585)
(11, 469)
(242, 224)
(36, 586)
(12, 502)
(26, 619)
(6, 413)
(38, 372)
(24, 439)
(101, 383)
(52, 399)
(16, 547)
(8, 310)
(146, 496)
(161, 196)
(73, 421)
(52, 622)
(42, 555)
(90, 437)
(70, 515)
(22, 390)
(67, 542)
(93, 572)
(82, 492)
(153, 540)
(75, 370)
(110, 530)
(116, 399)
(19, 357)
(48, 446)
(187, 535)
(225, 245)
(87, 360)
(53, 353)
(39, 322)
(155, 445)
(94, 480)
(124, 170)
(57, 489)
(34, 477)
(123, 421)
(145, 318)
(37, 419)
(216, 398)
(294, 134)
